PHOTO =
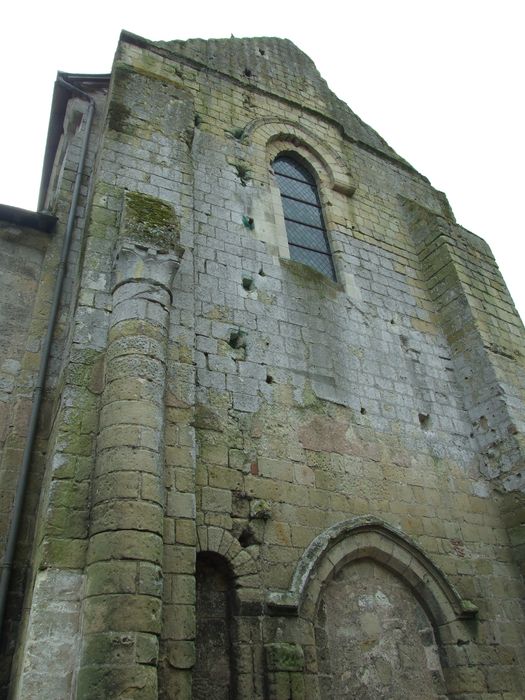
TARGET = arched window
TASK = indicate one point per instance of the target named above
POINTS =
(303, 215)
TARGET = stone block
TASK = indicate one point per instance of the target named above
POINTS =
(179, 456)
(147, 649)
(137, 682)
(115, 485)
(111, 577)
(225, 477)
(126, 459)
(127, 515)
(276, 469)
(179, 622)
(214, 454)
(122, 613)
(181, 505)
(63, 553)
(179, 559)
(181, 654)
(185, 532)
(183, 589)
(128, 435)
(216, 500)
(132, 413)
(149, 579)
(111, 648)
(125, 544)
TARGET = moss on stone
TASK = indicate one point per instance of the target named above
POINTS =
(281, 656)
(149, 210)
(69, 494)
(151, 221)
(242, 173)
(118, 114)
(62, 553)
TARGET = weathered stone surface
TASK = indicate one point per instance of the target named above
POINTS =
(130, 544)
(284, 657)
(207, 435)
(122, 613)
(55, 619)
(374, 638)
(212, 673)
(136, 682)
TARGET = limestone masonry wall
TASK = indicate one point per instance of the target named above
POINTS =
(256, 482)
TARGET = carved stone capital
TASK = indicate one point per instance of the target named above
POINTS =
(135, 262)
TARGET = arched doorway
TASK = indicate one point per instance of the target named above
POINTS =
(212, 677)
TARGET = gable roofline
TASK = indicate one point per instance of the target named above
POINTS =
(193, 52)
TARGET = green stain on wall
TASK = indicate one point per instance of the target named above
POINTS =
(118, 115)
(150, 220)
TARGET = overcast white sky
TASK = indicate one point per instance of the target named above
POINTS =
(442, 82)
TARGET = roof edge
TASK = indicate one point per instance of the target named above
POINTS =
(41, 221)
(387, 153)
(83, 81)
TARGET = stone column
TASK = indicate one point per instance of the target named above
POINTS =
(122, 606)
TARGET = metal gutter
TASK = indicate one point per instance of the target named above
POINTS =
(44, 358)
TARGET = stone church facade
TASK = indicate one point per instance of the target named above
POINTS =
(268, 429)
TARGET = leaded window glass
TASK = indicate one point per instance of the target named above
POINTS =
(303, 216)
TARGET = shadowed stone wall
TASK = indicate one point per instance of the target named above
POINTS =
(25, 291)
(212, 674)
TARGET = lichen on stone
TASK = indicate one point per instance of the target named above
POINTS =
(150, 221)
